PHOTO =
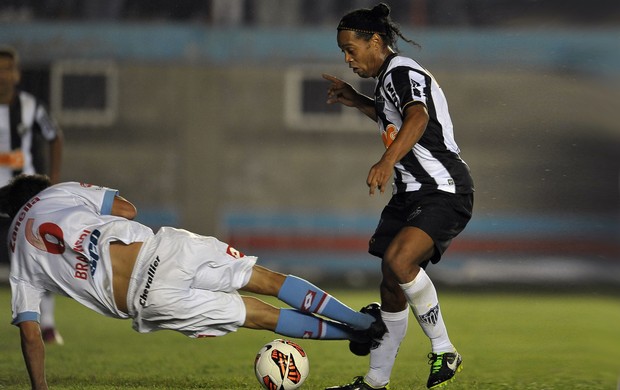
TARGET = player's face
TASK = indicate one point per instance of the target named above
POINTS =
(363, 57)
(9, 77)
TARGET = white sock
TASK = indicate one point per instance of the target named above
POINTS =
(422, 298)
(382, 358)
(47, 310)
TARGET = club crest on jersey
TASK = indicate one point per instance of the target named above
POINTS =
(234, 253)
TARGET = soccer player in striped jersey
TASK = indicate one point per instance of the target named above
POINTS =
(28, 135)
(432, 195)
(80, 241)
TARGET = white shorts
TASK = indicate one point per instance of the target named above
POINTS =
(186, 282)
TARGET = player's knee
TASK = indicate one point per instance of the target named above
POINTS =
(404, 261)
(264, 281)
(260, 315)
(392, 297)
(397, 262)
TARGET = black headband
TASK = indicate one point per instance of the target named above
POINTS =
(362, 26)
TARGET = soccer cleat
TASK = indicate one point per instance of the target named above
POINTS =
(373, 334)
(358, 384)
(443, 368)
(51, 336)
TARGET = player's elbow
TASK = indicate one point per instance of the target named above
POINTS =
(129, 211)
(124, 208)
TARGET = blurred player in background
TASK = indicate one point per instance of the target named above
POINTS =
(24, 123)
(81, 241)
(432, 197)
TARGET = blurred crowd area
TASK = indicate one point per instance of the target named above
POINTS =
(312, 13)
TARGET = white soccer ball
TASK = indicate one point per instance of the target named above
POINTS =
(281, 365)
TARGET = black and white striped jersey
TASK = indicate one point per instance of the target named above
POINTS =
(18, 123)
(434, 162)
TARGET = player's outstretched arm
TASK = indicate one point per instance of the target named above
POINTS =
(342, 92)
(34, 353)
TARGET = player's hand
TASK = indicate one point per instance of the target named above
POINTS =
(340, 91)
(379, 176)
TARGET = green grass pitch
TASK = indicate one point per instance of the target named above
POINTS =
(508, 341)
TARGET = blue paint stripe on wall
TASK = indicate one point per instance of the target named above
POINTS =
(596, 50)
(488, 226)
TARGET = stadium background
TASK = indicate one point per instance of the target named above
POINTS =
(216, 123)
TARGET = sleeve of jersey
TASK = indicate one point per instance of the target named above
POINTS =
(98, 198)
(25, 301)
(108, 201)
(410, 87)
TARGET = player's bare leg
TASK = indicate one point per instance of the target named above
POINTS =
(259, 314)
(264, 281)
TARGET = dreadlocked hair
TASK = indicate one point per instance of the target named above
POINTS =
(367, 22)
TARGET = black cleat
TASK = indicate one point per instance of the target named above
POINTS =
(357, 384)
(373, 334)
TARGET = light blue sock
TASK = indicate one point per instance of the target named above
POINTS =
(305, 296)
(293, 323)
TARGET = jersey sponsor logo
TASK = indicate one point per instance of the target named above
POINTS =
(20, 219)
(81, 267)
(86, 265)
(234, 253)
(389, 135)
(430, 317)
(149, 281)
(86, 185)
(93, 251)
(390, 89)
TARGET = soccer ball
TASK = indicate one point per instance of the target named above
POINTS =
(281, 365)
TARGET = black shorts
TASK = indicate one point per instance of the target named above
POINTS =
(441, 215)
